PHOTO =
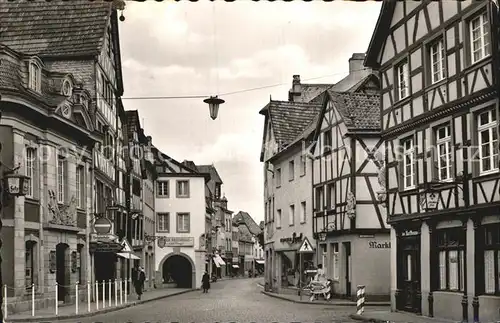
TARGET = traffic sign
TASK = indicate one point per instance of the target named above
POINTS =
(305, 247)
(102, 226)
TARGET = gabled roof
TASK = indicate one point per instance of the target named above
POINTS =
(172, 165)
(244, 217)
(133, 123)
(210, 169)
(359, 111)
(56, 28)
(310, 92)
(380, 33)
(372, 77)
(289, 119)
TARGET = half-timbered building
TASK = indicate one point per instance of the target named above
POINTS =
(347, 216)
(438, 64)
(289, 128)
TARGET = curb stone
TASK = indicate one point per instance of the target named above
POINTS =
(358, 317)
(47, 319)
(324, 303)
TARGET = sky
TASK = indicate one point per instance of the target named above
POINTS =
(211, 48)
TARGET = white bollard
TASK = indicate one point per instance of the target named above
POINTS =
(57, 299)
(109, 294)
(32, 299)
(76, 298)
(5, 301)
(88, 296)
(121, 291)
(116, 292)
(103, 294)
(96, 292)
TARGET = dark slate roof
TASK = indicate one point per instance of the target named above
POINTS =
(244, 217)
(210, 169)
(56, 28)
(360, 111)
(190, 164)
(289, 119)
(132, 122)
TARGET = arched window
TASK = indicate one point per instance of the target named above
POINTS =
(67, 88)
(35, 77)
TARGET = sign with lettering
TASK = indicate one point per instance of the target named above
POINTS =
(178, 241)
(379, 245)
(410, 233)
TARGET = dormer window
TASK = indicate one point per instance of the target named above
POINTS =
(67, 88)
(35, 77)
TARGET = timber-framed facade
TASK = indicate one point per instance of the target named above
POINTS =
(438, 64)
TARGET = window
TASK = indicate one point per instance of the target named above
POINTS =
(403, 80)
(479, 37)
(217, 191)
(291, 170)
(163, 222)
(335, 260)
(35, 77)
(330, 196)
(61, 179)
(443, 143)
(324, 258)
(182, 188)
(327, 141)
(451, 249)
(408, 164)
(278, 177)
(303, 212)
(30, 263)
(303, 165)
(488, 141)
(492, 259)
(67, 88)
(183, 222)
(80, 186)
(291, 215)
(278, 220)
(162, 189)
(30, 167)
(437, 56)
(319, 201)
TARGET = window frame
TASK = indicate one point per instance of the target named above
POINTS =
(177, 188)
(61, 172)
(80, 186)
(317, 199)
(441, 60)
(303, 165)
(327, 140)
(278, 177)
(291, 170)
(35, 76)
(166, 186)
(494, 246)
(461, 255)
(303, 212)
(485, 48)
(409, 152)
(447, 142)
(177, 222)
(166, 228)
(405, 74)
(335, 261)
(30, 170)
(278, 220)
(492, 128)
(291, 215)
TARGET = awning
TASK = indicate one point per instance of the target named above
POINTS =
(236, 266)
(260, 262)
(218, 259)
(128, 255)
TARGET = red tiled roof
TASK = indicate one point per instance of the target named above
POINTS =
(56, 28)
(360, 111)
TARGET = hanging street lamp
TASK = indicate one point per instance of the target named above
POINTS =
(213, 105)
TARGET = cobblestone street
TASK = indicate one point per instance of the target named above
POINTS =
(228, 301)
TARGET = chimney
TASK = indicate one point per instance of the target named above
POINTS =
(296, 88)
(356, 62)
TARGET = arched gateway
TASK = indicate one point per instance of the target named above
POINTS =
(180, 268)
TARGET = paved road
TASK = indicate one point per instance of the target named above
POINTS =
(228, 301)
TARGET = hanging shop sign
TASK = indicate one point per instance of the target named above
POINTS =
(379, 245)
(293, 239)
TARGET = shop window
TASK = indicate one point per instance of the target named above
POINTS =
(492, 259)
(335, 261)
(451, 249)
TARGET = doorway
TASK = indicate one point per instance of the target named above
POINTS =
(409, 274)
(62, 271)
(178, 268)
(347, 253)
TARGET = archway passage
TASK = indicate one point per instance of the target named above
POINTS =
(62, 270)
(178, 268)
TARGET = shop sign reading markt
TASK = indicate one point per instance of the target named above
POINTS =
(176, 242)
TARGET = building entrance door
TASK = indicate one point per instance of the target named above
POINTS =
(347, 249)
(409, 274)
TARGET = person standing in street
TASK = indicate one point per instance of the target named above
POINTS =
(139, 282)
(205, 282)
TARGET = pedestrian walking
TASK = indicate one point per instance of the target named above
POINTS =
(139, 282)
(205, 282)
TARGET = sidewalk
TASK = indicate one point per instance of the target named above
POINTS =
(68, 311)
(332, 301)
(395, 317)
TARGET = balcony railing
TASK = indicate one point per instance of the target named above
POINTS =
(104, 164)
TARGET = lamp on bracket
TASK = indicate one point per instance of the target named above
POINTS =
(328, 227)
(429, 197)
